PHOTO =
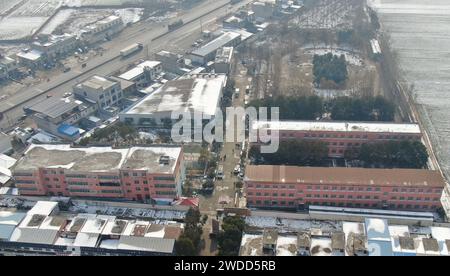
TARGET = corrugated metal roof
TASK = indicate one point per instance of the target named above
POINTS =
(216, 44)
(33, 235)
(11, 218)
(146, 244)
(6, 231)
(54, 106)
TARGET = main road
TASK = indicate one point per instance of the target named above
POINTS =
(155, 37)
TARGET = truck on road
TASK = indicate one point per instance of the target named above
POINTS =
(133, 48)
(175, 25)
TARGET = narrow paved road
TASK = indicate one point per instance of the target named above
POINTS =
(226, 187)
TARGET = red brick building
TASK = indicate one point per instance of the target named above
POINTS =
(341, 136)
(299, 187)
(137, 173)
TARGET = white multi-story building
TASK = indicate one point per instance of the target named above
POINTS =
(102, 29)
(143, 74)
(103, 91)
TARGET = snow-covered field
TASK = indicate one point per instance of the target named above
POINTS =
(6, 5)
(59, 19)
(74, 20)
(27, 18)
(31, 15)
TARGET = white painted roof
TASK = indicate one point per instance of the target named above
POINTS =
(338, 126)
(32, 55)
(43, 208)
(199, 93)
(86, 239)
(139, 70)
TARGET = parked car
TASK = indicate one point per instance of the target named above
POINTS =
(237, 169)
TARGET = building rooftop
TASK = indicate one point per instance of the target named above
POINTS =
(97, 83)
(338, 126)
(345, 176)
(99, 159)
(33, 55)
(37, 236)
(43, 208)
(11, 218)
(88, 230)
(139, 70)
(270, 237)
(86, 239)
(224, 55)
(115, 227)
(199, 93)
(53, 39)
(54, 107)
(146, 244)
(217, 43)
(136, 228)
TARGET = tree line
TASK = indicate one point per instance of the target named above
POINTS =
(340, 108)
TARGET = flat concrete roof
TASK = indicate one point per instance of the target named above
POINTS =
(375, 127)
(139, 70)
(199, 93)
(98, 82)
(98, 159)
(217, 43)
(345, 176)
(224, 55)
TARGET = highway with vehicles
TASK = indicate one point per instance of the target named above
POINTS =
(153, 36)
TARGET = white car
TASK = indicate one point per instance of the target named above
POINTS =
(237, 169)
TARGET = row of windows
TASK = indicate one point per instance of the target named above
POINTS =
(343, 196)
(78, 183)
(164, 178)
(341, 204)
(273, 186)
(268, 202)
(75, 176)
(167, 186)
(22, 174)
(165, 193)
(135, 174)
(79, 190)
(28, 189)
(344, 188)
(21, 181)
(138, 190)
(351, 136)
(109, 184)
(267, 194)
(54, 179)
(111, 192)
(108, 177)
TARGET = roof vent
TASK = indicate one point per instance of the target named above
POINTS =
(164, 160)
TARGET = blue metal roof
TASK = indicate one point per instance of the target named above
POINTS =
(68, 130)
